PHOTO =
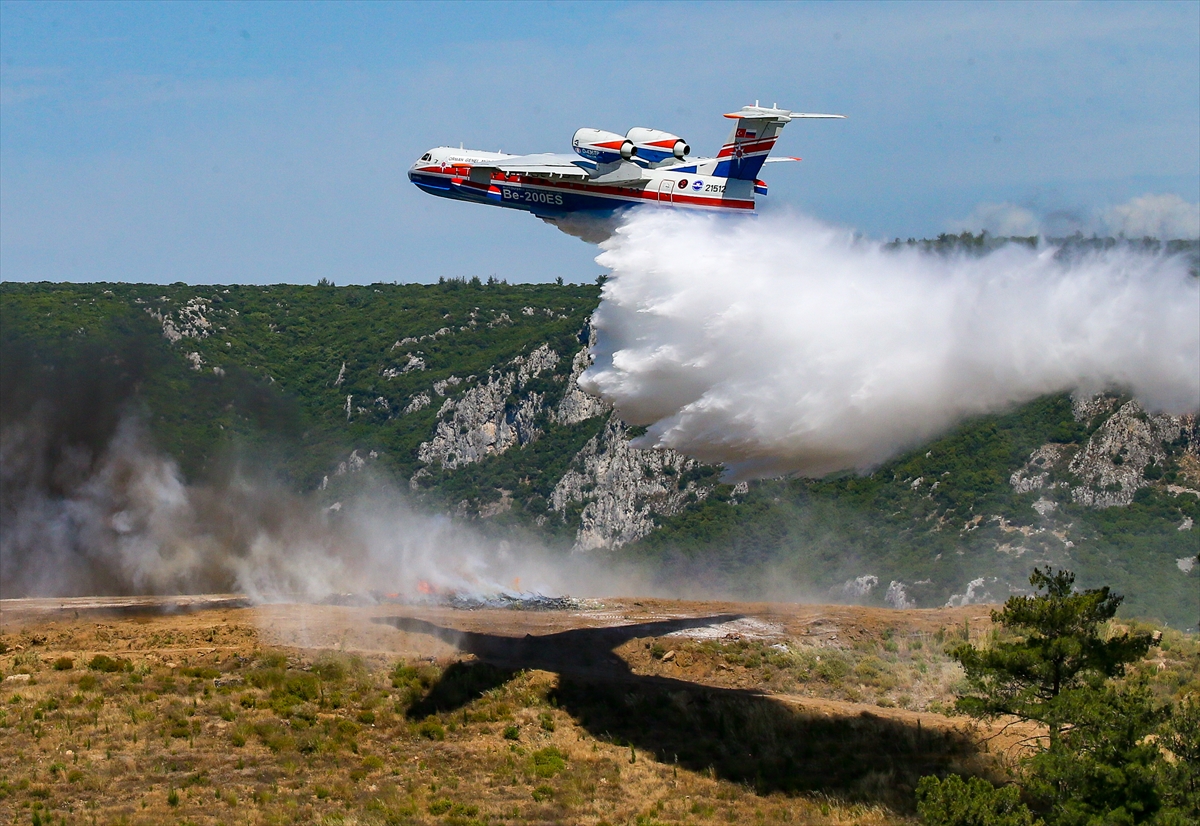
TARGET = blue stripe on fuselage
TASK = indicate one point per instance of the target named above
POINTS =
(517, 196)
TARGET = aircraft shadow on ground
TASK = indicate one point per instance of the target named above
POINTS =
(735, 734)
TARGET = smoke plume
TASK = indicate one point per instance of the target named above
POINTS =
(124, 521)
(784, 345)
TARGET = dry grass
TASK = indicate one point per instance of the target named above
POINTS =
(194, 719)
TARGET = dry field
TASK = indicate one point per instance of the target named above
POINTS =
(207, 711)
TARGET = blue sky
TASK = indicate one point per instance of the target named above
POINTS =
(268, 142)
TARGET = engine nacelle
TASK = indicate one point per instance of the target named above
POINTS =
(602, 147)
(655, 146)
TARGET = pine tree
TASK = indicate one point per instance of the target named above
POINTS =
(1053, 647)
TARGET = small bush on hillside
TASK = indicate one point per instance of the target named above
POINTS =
(971, 802)
(431, 729)
(330, 670)
(548, 762)
(107, 664)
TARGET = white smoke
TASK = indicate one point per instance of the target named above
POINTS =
(783, 345)
(124, 521)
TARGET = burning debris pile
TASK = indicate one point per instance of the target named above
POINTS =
(465, 599)
(528, 601)
(474, 599)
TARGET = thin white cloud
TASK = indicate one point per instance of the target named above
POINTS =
(1000, 219)
(1164, 216)
(1158, 216)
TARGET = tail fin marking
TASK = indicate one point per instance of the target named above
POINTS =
(752, 139)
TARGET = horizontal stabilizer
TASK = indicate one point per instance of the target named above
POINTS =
(771, 113)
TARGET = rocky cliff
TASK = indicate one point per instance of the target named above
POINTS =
(612, 490)
(1128, 449)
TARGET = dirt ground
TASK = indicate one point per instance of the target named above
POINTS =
(210, 710)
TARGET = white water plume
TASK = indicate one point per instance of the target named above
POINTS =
(784, 345)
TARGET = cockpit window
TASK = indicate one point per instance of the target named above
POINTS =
(426, 157)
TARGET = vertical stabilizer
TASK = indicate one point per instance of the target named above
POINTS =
(752, 139)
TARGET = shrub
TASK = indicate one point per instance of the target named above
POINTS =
(971, 802)
(266, 677)
(173, 798)
(543, 793)
(548, 762)
(431, 729)
(107, 664)
(200, 672)
(87, 682)
(512, 733)
(308, 742)
(273, 659)
(64, 664)
(440, 806)
(330, 670)
(832, 669)
(303, 686)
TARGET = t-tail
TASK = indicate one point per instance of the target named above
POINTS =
(752, 139)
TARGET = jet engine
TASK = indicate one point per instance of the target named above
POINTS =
(655, 146)
(603, 147)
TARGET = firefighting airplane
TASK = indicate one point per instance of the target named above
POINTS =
(612, 172)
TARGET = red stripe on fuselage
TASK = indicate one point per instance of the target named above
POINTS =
(624, 193)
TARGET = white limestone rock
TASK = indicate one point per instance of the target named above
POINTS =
(486, 420)
(623, 488)
(1111, 465)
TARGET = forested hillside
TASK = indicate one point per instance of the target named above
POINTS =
(463, 395)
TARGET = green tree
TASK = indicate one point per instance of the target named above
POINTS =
(1105, 768)
(1052, 663)
(1053, 645)
(1180, 775)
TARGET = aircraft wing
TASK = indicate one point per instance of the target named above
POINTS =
(545, 165)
